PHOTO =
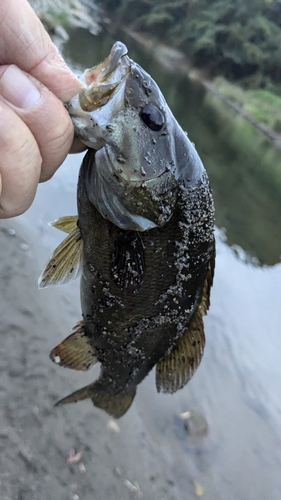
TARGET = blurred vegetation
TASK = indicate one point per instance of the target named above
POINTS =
(59, 14)
(239, 39)
(261, 104)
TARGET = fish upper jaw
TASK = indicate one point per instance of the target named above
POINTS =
(101, 97)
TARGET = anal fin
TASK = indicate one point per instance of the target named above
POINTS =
(75, 351)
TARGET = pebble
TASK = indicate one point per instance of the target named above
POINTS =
(195, 424)
(24, 246)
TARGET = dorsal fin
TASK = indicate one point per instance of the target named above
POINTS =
(175, 370)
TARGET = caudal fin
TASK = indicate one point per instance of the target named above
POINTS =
(115, 405)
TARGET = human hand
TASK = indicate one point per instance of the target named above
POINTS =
(36, 132)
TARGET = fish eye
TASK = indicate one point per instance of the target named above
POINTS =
(152, 117)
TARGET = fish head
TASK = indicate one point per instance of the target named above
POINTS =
(141, 151)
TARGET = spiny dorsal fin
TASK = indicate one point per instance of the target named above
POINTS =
(67, 224)
(75, 351)
(65, 263)
(115, 405)
(175, 370)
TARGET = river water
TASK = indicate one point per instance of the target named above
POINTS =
(237, 386)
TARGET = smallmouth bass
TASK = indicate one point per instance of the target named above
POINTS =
(143, 240)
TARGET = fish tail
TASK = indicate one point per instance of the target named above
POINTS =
(114, 404)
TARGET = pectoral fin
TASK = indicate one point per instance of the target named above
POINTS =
(129, 260)
(67, 224)
(115, 405)
(65, 264)
(75, 351)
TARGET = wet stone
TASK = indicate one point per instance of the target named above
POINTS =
(195, 424)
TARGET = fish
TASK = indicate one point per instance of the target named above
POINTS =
(142, 242)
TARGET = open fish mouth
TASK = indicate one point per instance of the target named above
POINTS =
(102, 80)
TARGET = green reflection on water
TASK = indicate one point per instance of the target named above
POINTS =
(244, 169)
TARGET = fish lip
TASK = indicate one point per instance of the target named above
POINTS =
(108, 66)
(102, 80)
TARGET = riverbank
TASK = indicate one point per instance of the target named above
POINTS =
(262, 109)
(233, 96)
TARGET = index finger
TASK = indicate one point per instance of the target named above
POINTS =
(25, 43)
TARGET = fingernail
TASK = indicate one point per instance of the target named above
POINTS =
(18, 89)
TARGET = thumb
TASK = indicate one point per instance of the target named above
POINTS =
(36, 135)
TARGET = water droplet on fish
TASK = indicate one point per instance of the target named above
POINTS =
(153, 141)
(57, 359)
(143, 172)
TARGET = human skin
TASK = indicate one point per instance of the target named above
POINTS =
(36, 132)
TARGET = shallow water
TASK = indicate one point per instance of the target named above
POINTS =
(236, 387)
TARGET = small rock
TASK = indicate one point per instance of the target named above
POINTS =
(198, 489)
(113, 426)
(194, 423)
(82, 467)
(24, 246)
